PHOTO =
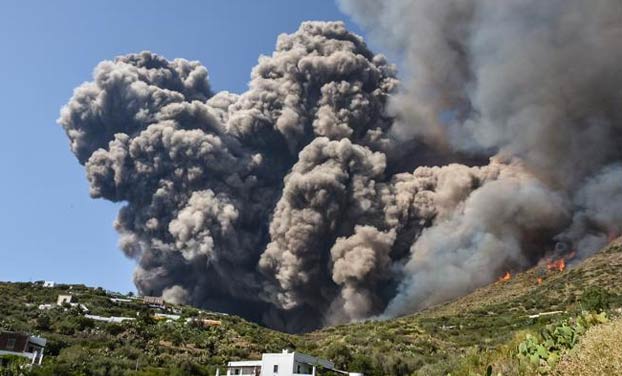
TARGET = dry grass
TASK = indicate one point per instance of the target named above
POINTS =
(599, 353)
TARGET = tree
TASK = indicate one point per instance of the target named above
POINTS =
(595, 299)
(340, 354)
(43, 322)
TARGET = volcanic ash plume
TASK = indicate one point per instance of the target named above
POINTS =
(233, 202)
(538, 81)
(306, 200)
(535, 83)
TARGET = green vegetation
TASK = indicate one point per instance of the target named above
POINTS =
(496, 330)
(485, 328)
(543, 352)
(596, 299)
(81, 346)
(12, 365)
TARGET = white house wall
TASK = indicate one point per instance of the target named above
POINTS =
(285, 363)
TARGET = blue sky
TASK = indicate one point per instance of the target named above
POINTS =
(49, 226)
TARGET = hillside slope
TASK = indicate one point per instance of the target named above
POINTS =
(79, 345)
(437, 340)
(461, 336)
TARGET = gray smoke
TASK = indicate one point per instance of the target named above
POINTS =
(538, 86)
(496, 227)
(308, 200)
(537, 81)
(227, 198)
(598, 217)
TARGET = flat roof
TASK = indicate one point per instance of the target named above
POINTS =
(299, 357)
(312, 360)
(38, 341)
(245, 363)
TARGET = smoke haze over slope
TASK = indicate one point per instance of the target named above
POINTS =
(308, 200)
(536, 85)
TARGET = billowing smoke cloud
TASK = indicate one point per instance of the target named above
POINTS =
(233, 201)
(307, 200)
(532, 80)
(360, 263)
(535, 84)
(497, 227)
(598, 218)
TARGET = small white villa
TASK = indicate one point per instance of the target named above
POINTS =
(284, 364)
(64, 299)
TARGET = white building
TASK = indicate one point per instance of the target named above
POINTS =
(49, 284)
(167, 317)
(283, 364)
(65, 299)
(114, 319)
(120, 300)
(62, 299)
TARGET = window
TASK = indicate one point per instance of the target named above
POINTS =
(298, 368)
(275, 369)
(237, 371)
(10, 344)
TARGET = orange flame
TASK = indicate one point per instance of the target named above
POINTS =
(539, 280)
(559, 265)
(505, 277)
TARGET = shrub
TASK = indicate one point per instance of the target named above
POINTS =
(340, 354)
(43, 322)
(544, 352)
(114, 329)
(11, 365)
(595, 299)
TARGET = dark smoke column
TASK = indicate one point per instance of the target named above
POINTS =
(536, 85)
(292, 203)
(202, 174)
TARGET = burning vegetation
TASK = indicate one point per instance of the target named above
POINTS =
(505, 277)
(556, 265)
